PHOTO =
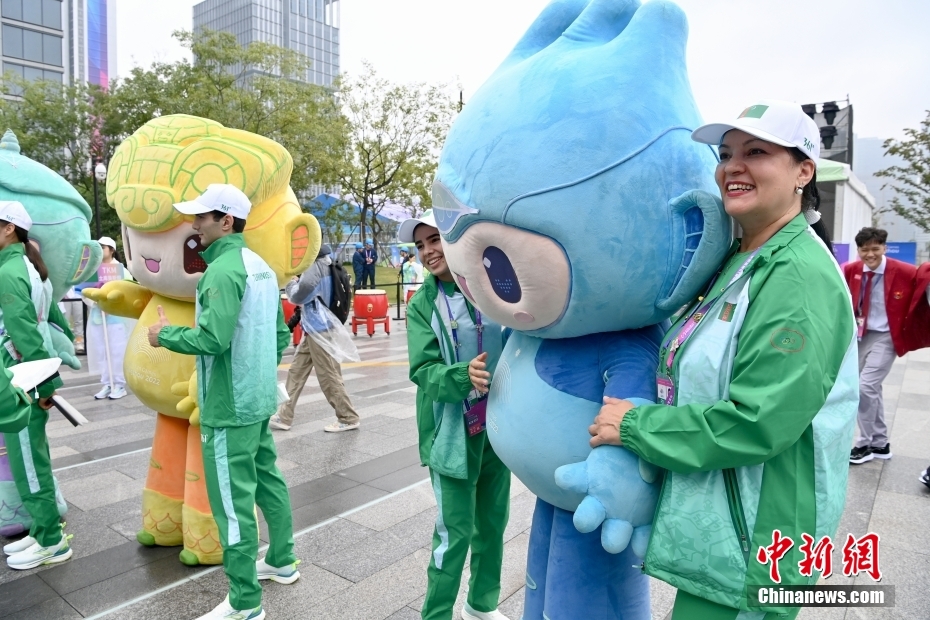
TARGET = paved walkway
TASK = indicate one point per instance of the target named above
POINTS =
(364, 514)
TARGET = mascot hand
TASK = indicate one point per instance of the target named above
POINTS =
(120, 297)
(63, 346)
(621, 492)
(188, 405)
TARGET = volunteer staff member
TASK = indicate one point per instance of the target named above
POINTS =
(25, 301)
(758, 380)
(453, 348)
(239, 320)
(109, 349)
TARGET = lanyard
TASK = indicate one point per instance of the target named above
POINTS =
(454, 326)
(691, 323)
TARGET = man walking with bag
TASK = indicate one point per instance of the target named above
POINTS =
(321, 343)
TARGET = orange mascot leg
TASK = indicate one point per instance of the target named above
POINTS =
(163, 494)
(201, 536)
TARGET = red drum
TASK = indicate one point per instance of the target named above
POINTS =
(370, 307)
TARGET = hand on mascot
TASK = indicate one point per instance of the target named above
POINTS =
(188, 404)
(479, 377)
(621, 492)
(155, 328)
(606, 427)
(120, 297)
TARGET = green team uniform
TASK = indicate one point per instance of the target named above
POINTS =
(239, 316)
(471, 484)
(757, 436)
(25, 302)
(14, 405)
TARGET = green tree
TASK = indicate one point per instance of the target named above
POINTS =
(391, 144)
(910, 180)
(256, 88)
(62, 128)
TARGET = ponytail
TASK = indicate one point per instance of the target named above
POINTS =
(32, 253)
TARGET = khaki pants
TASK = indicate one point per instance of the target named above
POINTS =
(328, 373)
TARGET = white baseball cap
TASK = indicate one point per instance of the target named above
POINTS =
(107, 241)
(780, 122)
(15, 213)
(405, 232)
(228, 199)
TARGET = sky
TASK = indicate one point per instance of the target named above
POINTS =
(876, 53)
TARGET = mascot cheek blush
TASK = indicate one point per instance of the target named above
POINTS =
(576, 210)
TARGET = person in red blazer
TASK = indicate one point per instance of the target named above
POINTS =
(917, 329)
(881, 290)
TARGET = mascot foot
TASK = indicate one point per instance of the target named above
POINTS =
(145, 538)
(189, 558)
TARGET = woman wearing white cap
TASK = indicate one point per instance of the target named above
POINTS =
(757, 389)
(25, 300)
(106, 349)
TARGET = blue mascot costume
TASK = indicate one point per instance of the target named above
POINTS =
(576, 210)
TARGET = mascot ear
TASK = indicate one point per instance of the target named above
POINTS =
(303, 233)
(85, 262)
(702, 239)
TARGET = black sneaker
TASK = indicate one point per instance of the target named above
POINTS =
(925, 476)
(882, 453)
(860, 455)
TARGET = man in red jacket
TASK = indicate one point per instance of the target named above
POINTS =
(918, 324)
(881, 289)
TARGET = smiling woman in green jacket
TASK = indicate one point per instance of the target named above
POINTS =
(757, 385)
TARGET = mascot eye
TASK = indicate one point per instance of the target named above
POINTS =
(447, 210)
(502, 275)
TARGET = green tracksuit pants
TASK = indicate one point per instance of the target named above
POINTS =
(473, 513)
(687, 607)
(31, 466)
(239, 464)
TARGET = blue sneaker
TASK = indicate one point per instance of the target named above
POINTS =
(286, 574)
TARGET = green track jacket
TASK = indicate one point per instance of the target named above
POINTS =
(442, 383)
(19, 316)
(14, 405)
(758, 437)
(239, 317)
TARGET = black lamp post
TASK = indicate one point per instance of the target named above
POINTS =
(100, 174)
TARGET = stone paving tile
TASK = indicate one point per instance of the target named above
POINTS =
(190, 600)
(98, 426)
(401, 478)
(329, 540)
(901, 520)
(104, 439)
(899, 475)
(106, 488)
(396, 509)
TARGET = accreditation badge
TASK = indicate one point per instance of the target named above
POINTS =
(665, 389)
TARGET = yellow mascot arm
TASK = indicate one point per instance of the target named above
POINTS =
(120, 297)
(304, 237)
(188, 405)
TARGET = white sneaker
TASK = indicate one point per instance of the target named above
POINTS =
(102, 393)
(20, 545)
(276, 423)
(117, 393)
(37, 555)
(286, 574)
(338, 427)
(224, 611)
(470, 614)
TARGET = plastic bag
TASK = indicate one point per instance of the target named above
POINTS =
(335, 339)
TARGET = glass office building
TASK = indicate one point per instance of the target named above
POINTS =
(59, 40)
(310, 27)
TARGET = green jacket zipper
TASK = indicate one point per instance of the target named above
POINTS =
(736, 511)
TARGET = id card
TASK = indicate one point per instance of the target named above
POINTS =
(665, 389)
(476, 418)
(860, 327)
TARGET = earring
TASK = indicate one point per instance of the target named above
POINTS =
(799, 190)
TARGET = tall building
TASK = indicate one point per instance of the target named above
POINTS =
(59, 40)
(310, 27)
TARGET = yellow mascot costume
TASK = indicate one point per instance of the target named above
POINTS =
(168, 160)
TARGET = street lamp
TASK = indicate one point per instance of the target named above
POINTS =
(100, 174)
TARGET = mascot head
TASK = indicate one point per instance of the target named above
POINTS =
(564, 190)
(173, 159)
(60, 217)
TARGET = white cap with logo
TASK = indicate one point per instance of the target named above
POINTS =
(107, 241)
(15, 213)
(405, 232)
(780, 122)
(228, 199)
